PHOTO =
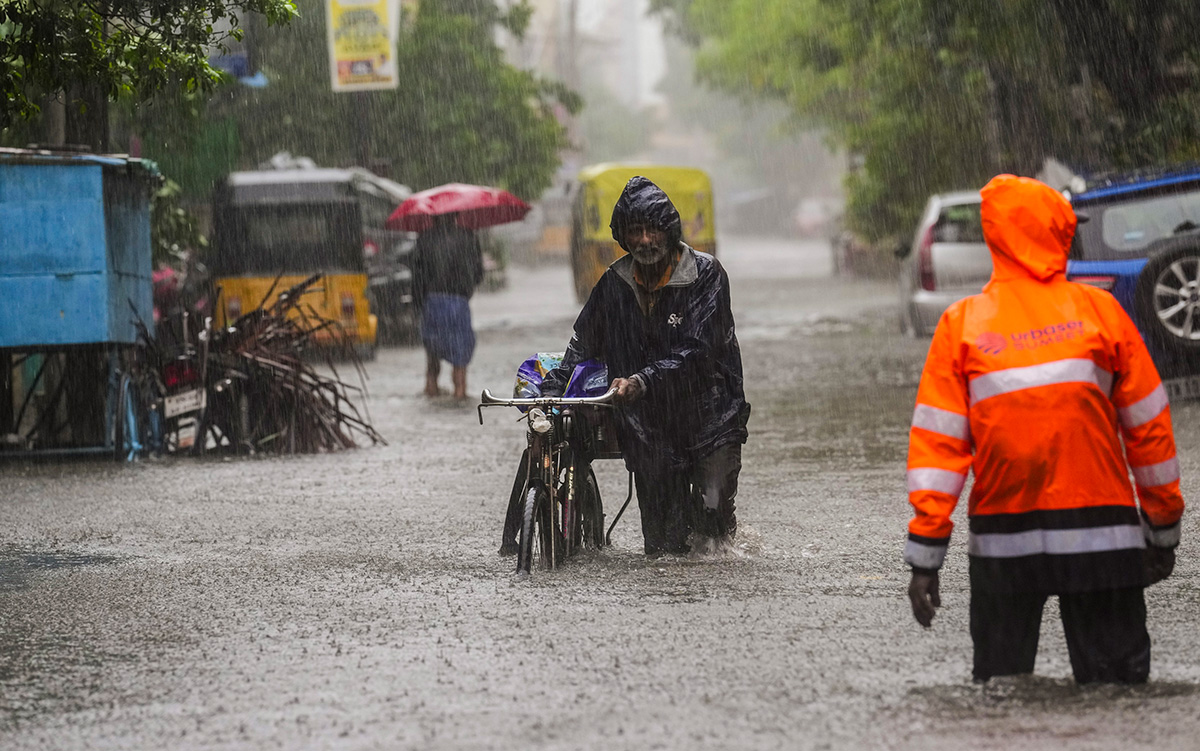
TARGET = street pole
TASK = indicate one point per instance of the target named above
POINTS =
(362, 113)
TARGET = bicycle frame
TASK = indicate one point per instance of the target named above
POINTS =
(554, 449)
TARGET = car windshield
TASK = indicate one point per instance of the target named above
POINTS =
(1126, 229)
(959, 224)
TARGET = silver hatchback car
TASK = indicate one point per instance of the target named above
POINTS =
(947, 261)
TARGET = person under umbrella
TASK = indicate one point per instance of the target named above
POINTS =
(447, 266)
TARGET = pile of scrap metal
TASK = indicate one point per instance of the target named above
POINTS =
(253, 386)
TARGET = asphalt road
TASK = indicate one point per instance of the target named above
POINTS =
(356, 601)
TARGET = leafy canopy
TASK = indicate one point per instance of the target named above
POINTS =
(461, 113)
(940, 94)
(127, 48)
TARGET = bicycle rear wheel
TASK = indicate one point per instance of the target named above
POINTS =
(591, 510)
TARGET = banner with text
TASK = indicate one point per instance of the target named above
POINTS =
(362, 43)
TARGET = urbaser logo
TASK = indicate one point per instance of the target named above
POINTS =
(990, 343)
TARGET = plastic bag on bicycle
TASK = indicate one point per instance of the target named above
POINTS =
(590, 377)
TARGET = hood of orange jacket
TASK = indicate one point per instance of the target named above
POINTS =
(1028, 227)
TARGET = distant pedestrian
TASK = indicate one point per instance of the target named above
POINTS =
(447, 266)
(1032, 385)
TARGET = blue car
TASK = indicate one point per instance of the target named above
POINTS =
(1139, 238)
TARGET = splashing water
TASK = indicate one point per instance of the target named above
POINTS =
(747, 544)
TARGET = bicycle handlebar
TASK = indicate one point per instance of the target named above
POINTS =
(488, 400)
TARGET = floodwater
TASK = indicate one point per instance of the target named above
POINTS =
(356, 601)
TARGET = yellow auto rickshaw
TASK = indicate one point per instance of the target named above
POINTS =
(296, 223)
(600, 185)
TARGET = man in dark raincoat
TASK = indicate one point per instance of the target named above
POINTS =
(660, 319)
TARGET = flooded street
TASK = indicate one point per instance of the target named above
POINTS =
(356, 600)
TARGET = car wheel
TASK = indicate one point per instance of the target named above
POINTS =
(1167, 300)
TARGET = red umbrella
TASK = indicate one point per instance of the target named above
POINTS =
(476, 206)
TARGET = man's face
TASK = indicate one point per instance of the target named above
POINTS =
(647, 245)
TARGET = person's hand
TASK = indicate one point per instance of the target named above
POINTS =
(1160, 562)
(629, 390)
(923, 594)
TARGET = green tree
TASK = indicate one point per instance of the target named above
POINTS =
(461, 112)
(90, 53)
(940, 94)
(611, 129)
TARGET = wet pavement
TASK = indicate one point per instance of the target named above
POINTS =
(355, 600)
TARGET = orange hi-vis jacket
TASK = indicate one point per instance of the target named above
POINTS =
(1031, 385)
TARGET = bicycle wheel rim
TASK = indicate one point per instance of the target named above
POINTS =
(525, 542)
(548, 533)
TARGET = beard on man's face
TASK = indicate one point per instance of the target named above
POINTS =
(648, 254)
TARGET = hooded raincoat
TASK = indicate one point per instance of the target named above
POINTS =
(684, 348)
(1031, 386)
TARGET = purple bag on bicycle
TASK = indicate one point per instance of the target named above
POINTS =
(590, 377)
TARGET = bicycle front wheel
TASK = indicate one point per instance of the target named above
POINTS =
(540, 535)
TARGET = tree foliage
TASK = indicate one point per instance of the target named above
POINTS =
(173, 229)
(940, 94)
(461, 112)
(120, 48)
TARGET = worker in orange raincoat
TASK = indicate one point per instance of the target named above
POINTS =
(1031, 385)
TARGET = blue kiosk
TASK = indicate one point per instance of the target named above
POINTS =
(75, 281)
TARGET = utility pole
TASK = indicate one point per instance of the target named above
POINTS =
(566, 59)
(362, 113)
(87, 107)
(54, 120)
(572, 44)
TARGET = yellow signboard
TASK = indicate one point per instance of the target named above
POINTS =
(362, 43)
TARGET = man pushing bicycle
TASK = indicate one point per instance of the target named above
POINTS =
(660, 319)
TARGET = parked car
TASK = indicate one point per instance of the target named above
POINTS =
(1139, 238)
(813, 216)
(946, 262)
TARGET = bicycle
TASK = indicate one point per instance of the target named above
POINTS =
(561, 507)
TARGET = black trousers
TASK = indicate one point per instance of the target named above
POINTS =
(1106, 633)
(667, 500)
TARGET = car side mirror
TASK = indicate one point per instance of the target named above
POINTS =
(901, 250)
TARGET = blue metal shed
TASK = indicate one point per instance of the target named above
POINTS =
(74, 248)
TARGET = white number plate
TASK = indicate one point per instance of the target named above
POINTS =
(1187, 387)
(187, 434)
(182, 403)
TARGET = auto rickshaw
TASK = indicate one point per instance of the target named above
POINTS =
(592, 246)
(297, 222)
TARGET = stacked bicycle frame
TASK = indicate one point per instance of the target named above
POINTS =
(561, 510)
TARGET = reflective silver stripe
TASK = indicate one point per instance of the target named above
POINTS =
(1153, 475)
(941, 480)
(1046, 374)
(924, 556)
(1056, 541)
(1161, 538)
(941, 421)
(1144, 410)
